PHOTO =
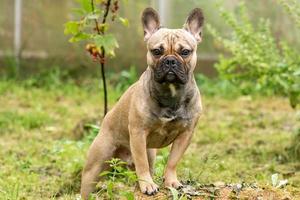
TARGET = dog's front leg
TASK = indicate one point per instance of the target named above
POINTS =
(138, 147)
(179, 146)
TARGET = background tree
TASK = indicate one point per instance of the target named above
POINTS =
(93, 27)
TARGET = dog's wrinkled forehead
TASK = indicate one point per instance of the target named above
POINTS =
(171, 38)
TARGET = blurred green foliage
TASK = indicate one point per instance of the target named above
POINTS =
(217, 87)
(293, 9)
(256, 62)
(124, 79)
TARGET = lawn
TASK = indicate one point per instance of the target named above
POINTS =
(240, 140)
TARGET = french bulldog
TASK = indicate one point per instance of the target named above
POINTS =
(161, 108)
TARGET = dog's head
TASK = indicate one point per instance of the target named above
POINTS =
(172, 52)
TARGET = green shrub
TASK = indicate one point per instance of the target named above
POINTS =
(121, 81)
(256, 62)
(48, 78)
(293, 9)
(216, 87)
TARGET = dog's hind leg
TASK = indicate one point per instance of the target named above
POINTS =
(101, 150)
(124, 154)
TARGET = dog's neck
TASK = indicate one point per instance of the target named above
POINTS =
(170, 95)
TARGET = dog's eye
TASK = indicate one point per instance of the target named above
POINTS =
(185, 52)
(156, 52)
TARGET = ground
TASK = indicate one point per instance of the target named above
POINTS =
(239, 144)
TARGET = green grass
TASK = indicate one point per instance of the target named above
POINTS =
(239, 139)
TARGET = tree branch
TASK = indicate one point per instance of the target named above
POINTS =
(106, 11)
(102, 53)
(96, 21)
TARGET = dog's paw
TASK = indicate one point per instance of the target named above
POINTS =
(173, 183)
(148, 188)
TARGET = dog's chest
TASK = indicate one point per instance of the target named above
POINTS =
(164, 131)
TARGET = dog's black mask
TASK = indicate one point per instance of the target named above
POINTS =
(170, 70)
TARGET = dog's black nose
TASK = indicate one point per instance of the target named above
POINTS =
(170, 62)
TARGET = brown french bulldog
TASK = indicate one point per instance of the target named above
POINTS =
(161, 108)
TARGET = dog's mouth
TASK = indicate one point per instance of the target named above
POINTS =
(170, 76)
(163, 74)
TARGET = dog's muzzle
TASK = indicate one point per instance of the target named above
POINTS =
(170, 70)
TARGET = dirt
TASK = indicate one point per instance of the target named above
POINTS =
(224, 193)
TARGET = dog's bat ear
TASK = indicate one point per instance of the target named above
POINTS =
(150, 21)
(194, 23)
